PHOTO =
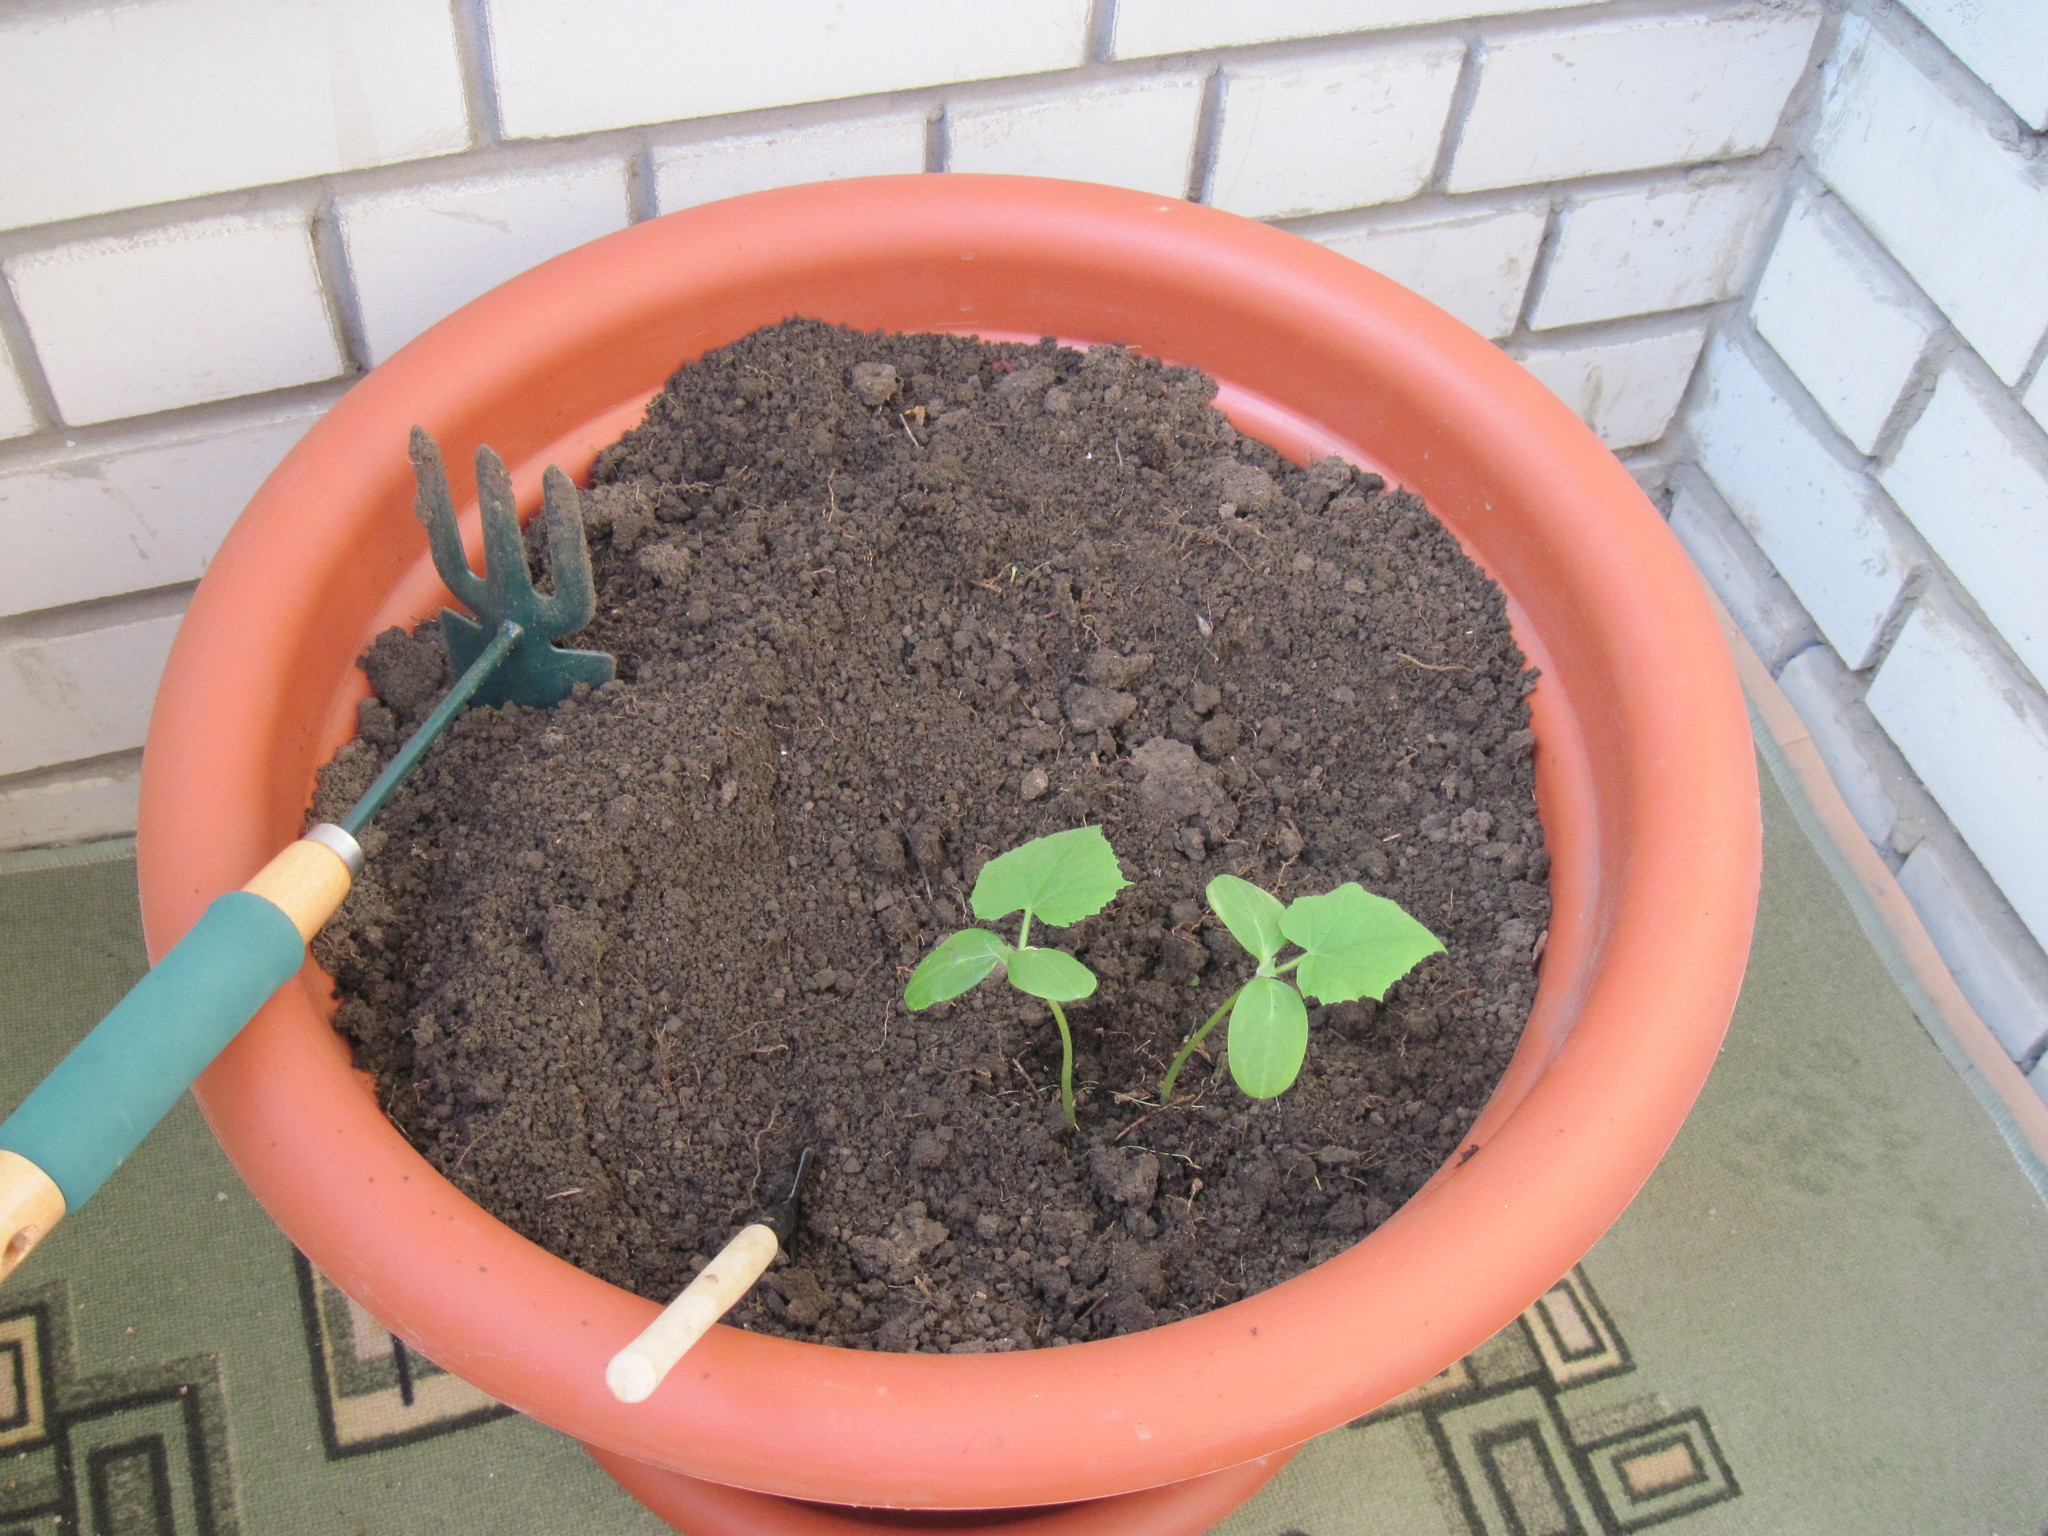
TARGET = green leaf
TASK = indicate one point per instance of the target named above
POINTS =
(1268, 1037)
(1358, 944)
(954, 966)
(1049, 973)
(1057, 879)
(1251, 915)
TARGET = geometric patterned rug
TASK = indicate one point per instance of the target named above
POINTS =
(1823, 1315)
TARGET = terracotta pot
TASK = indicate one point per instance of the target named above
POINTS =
(1645, 781)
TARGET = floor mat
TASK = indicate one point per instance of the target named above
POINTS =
(1822, 1315)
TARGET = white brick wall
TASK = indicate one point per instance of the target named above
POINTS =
(117, 106)
(1476, 266)
(177, 316)
(1755, 595)
(1818, 519)
(1175, 26)
(1830, 306)
(1645, 91)
(1964, 214)
(1375, 121)
(1638, 252)
(1138, 134)
(96, 525)
(17, 416)
(2004, 41)
(1982, 504)
(419, 253)
(96, 802)
(890, 145)
(80, 696)
(1625, 387)
(2036, 397)
(1965, 722)
(610, 63)
(1965, 918)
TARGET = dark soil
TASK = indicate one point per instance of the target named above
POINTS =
(885, 606)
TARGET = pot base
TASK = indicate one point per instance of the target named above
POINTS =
(699, 1508)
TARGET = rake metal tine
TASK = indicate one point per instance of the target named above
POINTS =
(435, 509)
(574, 599)
(508, 584)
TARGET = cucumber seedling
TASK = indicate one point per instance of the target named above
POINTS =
(1354, 944)
(1057, 880)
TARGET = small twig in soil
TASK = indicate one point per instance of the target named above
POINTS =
(1120, 1135)
(1160, 1152)
(904, 417)
(1431, 666)
(563, 1194)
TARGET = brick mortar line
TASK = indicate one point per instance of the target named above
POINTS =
(1435, 206)
(44, 626)
(59, 446)
(27, 364)
(77, 770)
(473, 58)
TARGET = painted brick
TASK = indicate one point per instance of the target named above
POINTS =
(1755, 595)
(120, 106)
(126, 520)
(1830, 702)
(612, 63)
(1348, 132)
(1820, 522)
(17, 416)
(1617, 95)
(80, 696)
(2036, 398)
(1986, 951)
(418, 254)
(1840, 319)
(1626, 389)
(1138, 134)
(1962, 719)
(1477, 266)
(1965, 216)
(1984, 508)
(868, 146)
(2004, 41)
(99, 802)
(1175, 26)
(177, 316)
(1637, 252)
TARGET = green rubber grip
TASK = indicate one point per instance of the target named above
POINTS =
(121, 1079)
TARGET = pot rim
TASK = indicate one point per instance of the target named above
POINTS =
(1646, 779)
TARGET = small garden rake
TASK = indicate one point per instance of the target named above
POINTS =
(92, 1111)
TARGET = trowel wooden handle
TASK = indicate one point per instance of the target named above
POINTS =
(94, 1109)
(30, 1204)
(638, 1369)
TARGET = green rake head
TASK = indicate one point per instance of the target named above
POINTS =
(535, 672)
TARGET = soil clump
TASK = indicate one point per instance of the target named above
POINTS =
(885, 606)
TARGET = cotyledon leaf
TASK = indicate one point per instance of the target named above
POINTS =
(1268, 1037)
(1251, 915)
(954, 966)
(1052, 974)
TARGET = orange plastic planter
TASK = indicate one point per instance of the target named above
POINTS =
(1645, 779)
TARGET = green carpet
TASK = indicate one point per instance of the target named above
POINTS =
(1821, 1316)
